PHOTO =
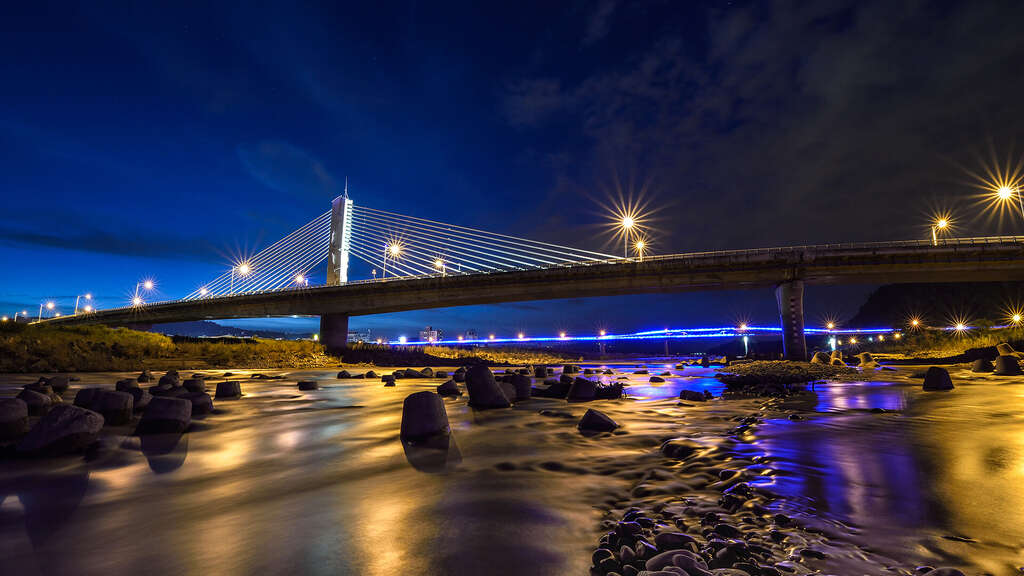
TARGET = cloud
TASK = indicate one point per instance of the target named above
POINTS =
(140, 244)
(599, 22)
(288, 169)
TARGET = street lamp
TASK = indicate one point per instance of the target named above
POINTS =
(243, 269)
(49, 306)
(203, 290)
(830, 326)
(1006, 193)
(639, 245)
(439, 264)
(394, 250)
(301, 280)
(147, 284)
(941, 225)
(87, 296)
(628, 222)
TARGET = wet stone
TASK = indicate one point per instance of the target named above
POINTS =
(166, 416)
(1007, 366)
(484, 392)
(595, 421)
(64, 429)
(13, 418)
(36, 402)
(228, 389)
(310, 385)
(937, 378)
(423, 414)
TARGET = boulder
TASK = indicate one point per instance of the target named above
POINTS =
(836, 355)
(656, 379)
(522, 386)
(982, 365)
(937, 378)
(1007, 366)
(343, 374)
(440, 374)
(540, 371)
(145, 376)
(165, 416)
(201, 403)
(195, 385)
(427, 372)
(459, 375)
(570, 369)
(388, 379)
(820, 358)
(423, 415)
(229, 389)
(582, 390)
(168, 380)
(555, 389)
(609, 392)
(115, 407)
(589, 372)
(59, 384)
(308, 385)
(126, 384)
(1005, 349)
(507, 389)
(62, 430)
(370, 374)
(837, 362)
(85, 397)
(608, 372)
(13, 418)
(449, 388)
(595, 421)
(864, 358)
(640, 372)
(692, 396)
(483, 390)
(140, 398)
(37, 402)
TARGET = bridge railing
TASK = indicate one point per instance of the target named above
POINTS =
(747, 254)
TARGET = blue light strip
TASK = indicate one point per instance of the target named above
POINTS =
(673, 333)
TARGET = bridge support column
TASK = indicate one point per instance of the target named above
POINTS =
(790, 296)
(334, 332)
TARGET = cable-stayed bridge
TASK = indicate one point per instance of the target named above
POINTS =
(419, 264)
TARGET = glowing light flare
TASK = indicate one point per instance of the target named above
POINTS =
(602, 332)
(4, 319)
(148, 284)
(244, 269)
(561, 335)
(438, 263)
(520, 336)
(743, 327)
(88, 308)
(897, 336)
(137, 301)
(830, 326)
(394, 250)
(491, 337)
(50, 305)
(203, 291)
(88, 296)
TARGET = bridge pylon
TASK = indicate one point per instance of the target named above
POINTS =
(790, 297)
(341, 239)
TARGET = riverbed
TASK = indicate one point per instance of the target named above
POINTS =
(318, 482)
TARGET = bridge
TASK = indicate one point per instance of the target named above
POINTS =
(437, 265)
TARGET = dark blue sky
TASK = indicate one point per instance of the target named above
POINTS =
(159, 140)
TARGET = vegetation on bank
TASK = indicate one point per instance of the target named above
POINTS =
(387, 355)
(102, 349)
(978, 342)
(770, 377)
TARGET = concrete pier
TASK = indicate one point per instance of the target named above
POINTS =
(790, 297)
(334, 332)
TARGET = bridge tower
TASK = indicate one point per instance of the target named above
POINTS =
(790, 296)
(341, 239)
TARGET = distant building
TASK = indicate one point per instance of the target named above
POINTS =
(471, 334)
(430, 334)
(360, 336)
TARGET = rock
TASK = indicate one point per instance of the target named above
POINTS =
(309, 385)
(679, 448)
(201, 403)
(944, 572)
(195, 385)
(566, 379)
(140, 398)
(370, 374)
(540, 371)
(673, 540)
(166, 416)
(459, 375)
(483, 391)
(582, 390)
(388, 380)
(343, 374)
(427, 372)
(820, 358)
(507, 389)
(595, 421)
(836, 355)
(609, 392)
(168, 380)
(1007, 366)
(37, 402)
(423, 414)
(682, 558)
(656, 379)
(555, 389)
(1004, 349)
(570, 369)
(705, 362)
(680, 366)
(449, 388)
(864, 358)
(640, 372)
(937, 378)
(229, 389)
(145, 376)
(440, 374)
(13, 418)
(62, 430)
(982, 365)
(837, 362)
(522, 387)
(115, 407)
(692, 396)
(588, 372)
(126, 384)
(59, 384)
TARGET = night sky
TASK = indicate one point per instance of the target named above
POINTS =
(144, 141)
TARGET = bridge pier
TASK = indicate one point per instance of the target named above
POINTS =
(334, 332)
(790, 297)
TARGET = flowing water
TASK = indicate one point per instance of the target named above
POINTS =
(282, 481)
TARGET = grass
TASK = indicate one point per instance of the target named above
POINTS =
(102, 349)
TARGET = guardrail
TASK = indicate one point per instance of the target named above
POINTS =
(748, 252)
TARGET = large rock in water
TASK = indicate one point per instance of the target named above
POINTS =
(594, 421)
(37, 402)
(540, 371)
(483, 389)
(449, 388)
(1007, 366)
(308, 385)
(982, 365)
(937, 379)
(229, 389)
(570, 369)
(201, 402)
(836, 355)
(140, 398)
(582, 390)
(864, 358)
(64, 429)
(115, 407)
(59, 384)
(13, 418)
(166, 416)
(195, 385)
(692, 396)
(423, 415)
(1004, 349)
(522, 386)
(459, 375)
(126, 384)
(820, 358)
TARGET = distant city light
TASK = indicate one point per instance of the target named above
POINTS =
(88, 296)
(743, 327)
(881, 337)
(521, 335)
(603, 332)
(4, 319)
(561, 334)
(897, 335)
(830, 326)
(491, 337)
(1016, 318)
(853, 340)
(88, 308)
(300, 279)
(1005, 192)
(402, 339)
(395, 249)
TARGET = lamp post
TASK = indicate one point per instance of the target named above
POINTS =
(87, 296)
(940, 225)
(1005, 193)
(243, 270)
(394, 250)
(640, 245)
(627, 227)
(439, 264)
(49, 306)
